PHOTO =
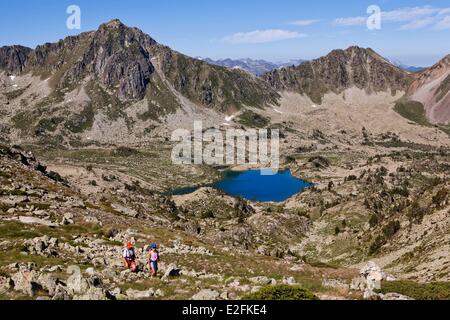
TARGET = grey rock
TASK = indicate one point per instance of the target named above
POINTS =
(6, 284)
(44, 246)
(49, 282)
(14, 58)
(33, 220)
(26, 282)
(77, 284)
(262, 280)
(206, 294)
(289, 280)
(124, 210)
(171, 271)
(60, 293)
(358, 284)
(373, 275)
(135, 294)
(394, 296)
(90, 271)
(92, 294)
(335, 283)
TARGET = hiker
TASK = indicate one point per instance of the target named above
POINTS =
(153, 259)
(129, 257)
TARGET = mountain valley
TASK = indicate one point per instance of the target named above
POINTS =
(85, 158)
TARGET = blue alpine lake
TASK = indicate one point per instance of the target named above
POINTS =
(254, 186)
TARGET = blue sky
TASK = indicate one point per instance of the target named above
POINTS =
(415, 32)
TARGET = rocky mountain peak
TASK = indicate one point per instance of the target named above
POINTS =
(114, 23)
(338, 71)
(116, 56)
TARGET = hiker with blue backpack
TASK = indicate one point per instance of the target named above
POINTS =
(153, 259)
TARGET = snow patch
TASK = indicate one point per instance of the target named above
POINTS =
(230, 118)
(277, 111)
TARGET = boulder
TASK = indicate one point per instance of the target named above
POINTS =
(171, 271)
(358, 284)
(137, 295)
(262, 280)
(99, 262)
(373, 275)
(92, 294)
(263, 250)
(66, 222)
(289, 280)
(206, 294)
(394, 296)
(192, 228)
(26, 282)
(33, 220)
(5, 284)
(335, 283)
(60, 293)
(90, 271)
(49, 282)
(224, 295)
(77, 284)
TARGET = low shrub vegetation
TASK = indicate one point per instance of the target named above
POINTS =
(281, 292)
(418, 291)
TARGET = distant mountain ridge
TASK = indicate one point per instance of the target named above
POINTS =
(406, 67)
(340, 70)
(118, 74)
(256, 67)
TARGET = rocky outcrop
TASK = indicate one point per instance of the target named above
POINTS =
(44, 246)
(14, 58)
(28, 159)
(369, 281)
(340, 70)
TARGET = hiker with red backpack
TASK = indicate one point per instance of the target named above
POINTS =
(129, 257)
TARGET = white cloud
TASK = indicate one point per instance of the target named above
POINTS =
(303, 23)
(408, 14)
(412, 17)
(444, 24)
(418, 24)
(444, 11)
(350, 22)
(262, 36)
